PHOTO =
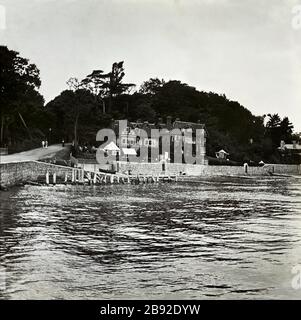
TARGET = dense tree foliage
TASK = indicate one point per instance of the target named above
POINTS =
(90, 104)
(76, 116)
(230, 126)
(107, 85)
(22, 116)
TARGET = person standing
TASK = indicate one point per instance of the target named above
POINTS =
(43, 144)
(63, 143)
(46, 144)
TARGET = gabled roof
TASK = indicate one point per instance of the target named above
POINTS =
(296, 147)
(111, 147)
(129, 151)
(147, 127)
(223, 151)
(185, 125)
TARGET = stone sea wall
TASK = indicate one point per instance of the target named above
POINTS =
(15, 173)
(21, 172)
(205, 170)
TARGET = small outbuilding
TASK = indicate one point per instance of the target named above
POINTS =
(222, 154)
(111, 148)
(128, 153)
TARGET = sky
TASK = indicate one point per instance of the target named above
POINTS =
(245, 49)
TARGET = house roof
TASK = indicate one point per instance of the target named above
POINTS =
(291, 147)
(185, 125)
(146, 126)
(129, 151)
(111, 147)
(223, 151)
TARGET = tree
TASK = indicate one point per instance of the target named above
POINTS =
(145, 112)
(152, 86)
(19, 82)
(73, 84)
(108, 85)
(274, 121)
(76, 115)
(286, 130)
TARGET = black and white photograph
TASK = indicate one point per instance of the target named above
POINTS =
(150, 150)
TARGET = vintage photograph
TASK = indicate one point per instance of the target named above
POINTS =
(150, 150)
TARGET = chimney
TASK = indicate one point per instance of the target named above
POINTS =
(168, 121)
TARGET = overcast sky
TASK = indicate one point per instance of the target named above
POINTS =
(246, 49)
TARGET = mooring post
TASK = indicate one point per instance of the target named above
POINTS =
(82, 176)
(47, 177)
(72, 176)
(66, 177)
(76, 175)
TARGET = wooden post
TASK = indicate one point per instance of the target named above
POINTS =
(72, 176)
(95, 178)
(66, 177)
(82, 176)
(54, 178)
(76, 175)
(47, 177)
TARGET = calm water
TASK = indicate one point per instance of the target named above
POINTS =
(219, 238)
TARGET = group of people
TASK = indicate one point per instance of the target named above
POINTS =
(45, 144)
(87, 149)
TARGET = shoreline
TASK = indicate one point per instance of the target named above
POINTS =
(32, 172)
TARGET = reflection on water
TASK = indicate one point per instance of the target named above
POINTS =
(215, 238)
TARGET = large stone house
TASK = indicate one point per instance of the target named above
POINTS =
(129, 138)
(290, 152)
